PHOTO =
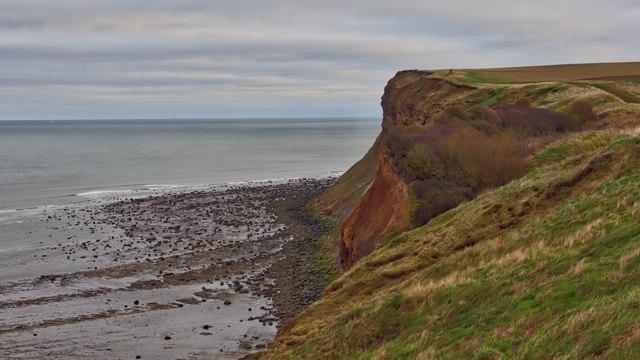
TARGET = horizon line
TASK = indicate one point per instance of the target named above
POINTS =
(204, 118)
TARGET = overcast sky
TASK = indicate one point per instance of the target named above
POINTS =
(206, 59)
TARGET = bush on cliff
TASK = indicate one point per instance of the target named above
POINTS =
(464, 153)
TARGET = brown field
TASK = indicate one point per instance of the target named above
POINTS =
(565, 72)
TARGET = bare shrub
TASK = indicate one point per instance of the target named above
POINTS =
(530, 121)
(579, 112)
(426, 162)
(454, 112)
(486, 161)
(523, 101)
(485, 120)
(417, 162)
(441, 195)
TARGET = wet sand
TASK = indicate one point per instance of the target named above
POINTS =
(185, 275)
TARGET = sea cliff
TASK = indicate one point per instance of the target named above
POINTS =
(489, 220)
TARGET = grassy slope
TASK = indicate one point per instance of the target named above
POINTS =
(545, 266)
(338, 201)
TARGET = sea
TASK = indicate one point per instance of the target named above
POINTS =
(49, 168)
(57, 300)
(60, 162)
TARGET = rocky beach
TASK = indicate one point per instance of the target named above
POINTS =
(180, 274)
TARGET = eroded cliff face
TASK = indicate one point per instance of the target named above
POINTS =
(410, 97)
(414, 184)
(383, 207)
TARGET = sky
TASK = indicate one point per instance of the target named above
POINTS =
(93, 59)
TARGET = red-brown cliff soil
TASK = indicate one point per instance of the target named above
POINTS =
(383, 207)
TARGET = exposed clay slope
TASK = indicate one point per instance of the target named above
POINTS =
(414, 97)
(383, 208)
(404, 100)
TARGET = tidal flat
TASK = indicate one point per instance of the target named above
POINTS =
(198, 274)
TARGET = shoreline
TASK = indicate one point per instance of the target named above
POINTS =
(245, 246)
(119, 192)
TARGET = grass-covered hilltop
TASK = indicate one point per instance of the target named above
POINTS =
(497, 216)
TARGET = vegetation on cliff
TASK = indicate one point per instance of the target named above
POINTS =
(523, 187)
(452, 134)
(547, 265)
(452, 159)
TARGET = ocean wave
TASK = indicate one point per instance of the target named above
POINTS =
(15, 215)
(284, 179)
(168, 187)
(102, 193)
(154, 189)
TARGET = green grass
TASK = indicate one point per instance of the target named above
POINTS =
(596, 101)
(547, 266)
(338, 201)
(612, 88)
(487, 77)
(493, 97)
(326, 249)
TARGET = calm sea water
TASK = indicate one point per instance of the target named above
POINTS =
(44, 163)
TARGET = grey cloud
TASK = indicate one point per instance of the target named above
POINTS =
(158, 58)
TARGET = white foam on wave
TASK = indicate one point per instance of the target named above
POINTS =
(282, 180)
(179, 187)
(19, 215)
(103, 193)
(145, 189)
(7, 214)
(141, 191)
(166, 186)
